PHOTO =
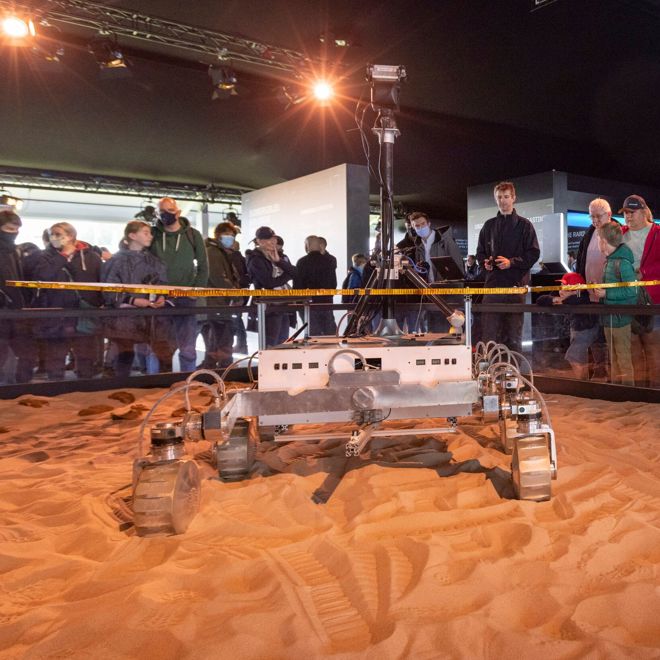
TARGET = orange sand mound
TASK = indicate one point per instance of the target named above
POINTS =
(399, 563)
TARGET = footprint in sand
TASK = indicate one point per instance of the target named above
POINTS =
(134, 412)
(35, 456)
(94, 410)
(327, 601)
(33, 402)
(122, 397)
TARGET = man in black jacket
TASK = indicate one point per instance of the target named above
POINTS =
(317, 270)
(14, 334)
(507, 249)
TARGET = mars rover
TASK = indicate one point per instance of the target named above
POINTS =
(366, 377)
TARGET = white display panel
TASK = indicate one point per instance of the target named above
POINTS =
(314, 204)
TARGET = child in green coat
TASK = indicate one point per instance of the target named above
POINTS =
(619, 262)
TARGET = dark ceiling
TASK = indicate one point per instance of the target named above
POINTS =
(495, 91)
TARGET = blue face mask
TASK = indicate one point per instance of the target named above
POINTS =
(227, 241)
(360, 269)
(167, 218)
(423, 232)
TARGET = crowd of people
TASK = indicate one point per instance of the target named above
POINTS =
(166, 249)
(627, 346)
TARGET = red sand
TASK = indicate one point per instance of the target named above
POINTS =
(399, 563)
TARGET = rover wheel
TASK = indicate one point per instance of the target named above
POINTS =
(166, 497)
(531, 469)
(236, 456)
(507, 433)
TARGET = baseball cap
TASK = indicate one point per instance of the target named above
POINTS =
(633, 202)
(264, 233)
(572, 278)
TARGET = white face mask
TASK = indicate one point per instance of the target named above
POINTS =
(57, 242)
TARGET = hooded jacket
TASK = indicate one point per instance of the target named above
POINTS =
(619, 268)
(51, 265)
(83, 265)
(222, 272)
(183, 253)
(132, 267)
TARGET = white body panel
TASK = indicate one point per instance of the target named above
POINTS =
(306, 367)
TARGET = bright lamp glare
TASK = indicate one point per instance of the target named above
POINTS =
(323, 90)
(17, 28)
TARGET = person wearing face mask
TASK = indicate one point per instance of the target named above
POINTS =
(270, 270)
(181, 247)
(217, 330)
(135, 264)
(431, 242)
(14, 334)
(317, 270)
(67, 260)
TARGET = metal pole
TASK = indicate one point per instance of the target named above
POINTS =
(468, 321)
(205, 219)
(261, 325)
(306, 319)
(387, 134)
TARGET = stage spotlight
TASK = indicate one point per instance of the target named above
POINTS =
(9, 200)
(47, 58)
(323, 90)
(109, 57)
(15, 27)
(223, 79)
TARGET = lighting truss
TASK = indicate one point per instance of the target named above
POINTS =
(111, 185)
(141, 27)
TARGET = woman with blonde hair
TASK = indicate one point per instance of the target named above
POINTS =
(66, 259)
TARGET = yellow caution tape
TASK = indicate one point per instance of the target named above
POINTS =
(199, 292)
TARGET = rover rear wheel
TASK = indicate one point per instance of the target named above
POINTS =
(531, 469)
